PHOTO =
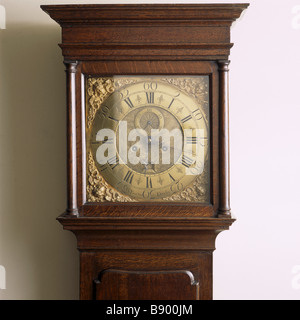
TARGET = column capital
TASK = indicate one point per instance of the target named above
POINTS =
(224, 65)
(71, 66)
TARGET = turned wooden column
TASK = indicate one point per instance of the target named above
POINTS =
(71, 69)
(224, 181)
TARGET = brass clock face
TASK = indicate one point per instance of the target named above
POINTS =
(147, 139)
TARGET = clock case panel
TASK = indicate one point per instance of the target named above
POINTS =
(142, 68)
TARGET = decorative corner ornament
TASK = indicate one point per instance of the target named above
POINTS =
(98, 190)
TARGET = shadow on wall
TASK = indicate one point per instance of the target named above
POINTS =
(40, 259)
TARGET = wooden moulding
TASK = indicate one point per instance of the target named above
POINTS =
(129, 32)
(164, 13)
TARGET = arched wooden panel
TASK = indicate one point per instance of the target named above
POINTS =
(146, 285)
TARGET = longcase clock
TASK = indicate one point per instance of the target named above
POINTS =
(148, 148)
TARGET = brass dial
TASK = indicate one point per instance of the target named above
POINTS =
(154, 130)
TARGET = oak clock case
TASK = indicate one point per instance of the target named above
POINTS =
(147, 145)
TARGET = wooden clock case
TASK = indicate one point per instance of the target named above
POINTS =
(146, 251)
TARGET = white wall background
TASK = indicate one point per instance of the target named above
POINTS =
(258, 258)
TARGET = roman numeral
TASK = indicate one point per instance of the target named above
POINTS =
(112, 118)
(103, 167)
(129, 103)
(170, 104)
(150, 97)
(148, 182)
(113, 162)
(103, 111)
(191, 140)
(186, 161)
(186, 119)
(171, 177)
(128, 177)
(109, 141)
